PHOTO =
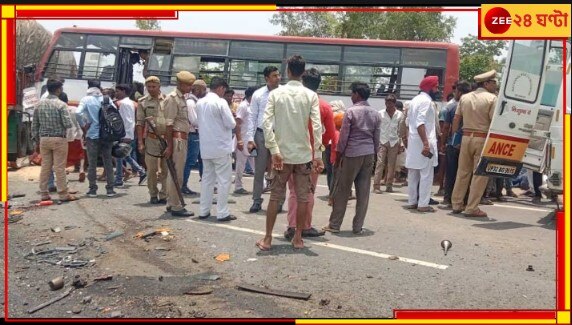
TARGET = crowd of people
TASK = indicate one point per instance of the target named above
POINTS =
(285, 135)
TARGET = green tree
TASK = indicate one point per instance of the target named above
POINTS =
(413, 26)
(148, 24)
(479, 56)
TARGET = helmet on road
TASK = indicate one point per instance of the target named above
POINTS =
(121, 150)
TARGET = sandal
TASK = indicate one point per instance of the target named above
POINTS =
(69, 198)
(410, 206)
(332, 230)
(477, 214)
(261, 246)
(46, 198)
(426, 209)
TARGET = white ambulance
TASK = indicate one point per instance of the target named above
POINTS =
(527, 127)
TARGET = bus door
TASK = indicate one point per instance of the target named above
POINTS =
(518, 113)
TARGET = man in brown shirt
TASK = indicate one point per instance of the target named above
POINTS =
(476, 110)
(178, 127)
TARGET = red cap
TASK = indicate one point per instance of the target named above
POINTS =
(428, 83)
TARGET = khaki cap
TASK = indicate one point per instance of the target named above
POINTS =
(200, 82)
(153, 79)
(186, 77)
(490, 75)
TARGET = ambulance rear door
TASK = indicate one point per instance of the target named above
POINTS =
(518, 107)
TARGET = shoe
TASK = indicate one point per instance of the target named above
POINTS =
(511, 194)
(389, 189)
(205, 217)
(330, 229)
(69, 198)
(187, 191)
(81, 177)
(312, 232)
(280, 208)
(154, 200)
(46, 198)
(142, 178)
(358, 232)
(440, 192)
(168, 209)
(227, 218)
(118, 184)
(486, 202)
(352, 197)
(529, 193)
(289, 233)
(92, 193)
(182, 213)
(446, 202)
(241, 191)
(457, 211)
(501, 199)
(127, 175)
(477, 214)
(255, 207)
(111, 193)
(426, 209)
(52, 189)
(377, 191)
(162, 201)
(433, 202)
(536, 200)
(410, 206)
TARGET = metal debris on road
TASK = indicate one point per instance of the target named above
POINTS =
(57, 283)
(252, 259)
(199, 291)
(161, 248)
(393, 257)
(114, 235)
(530, 268)
(56, 229)
(78, 282)
(104, 278)
(86, 300)
(288, 294)
(35, 309)
(446, 245)
(76, 309)
(206, 276)
(43, 243)
(15, 195)
(16, 212)
(194, 261)
(222, 257)
(324, 302)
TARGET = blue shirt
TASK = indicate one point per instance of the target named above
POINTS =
(88, 109)
(450, 109)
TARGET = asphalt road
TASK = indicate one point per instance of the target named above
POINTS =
(347, 276)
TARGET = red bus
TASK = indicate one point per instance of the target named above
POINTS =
(79, 54)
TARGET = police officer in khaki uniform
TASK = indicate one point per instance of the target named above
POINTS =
(151, 105)
(178, 127)
(476, 110)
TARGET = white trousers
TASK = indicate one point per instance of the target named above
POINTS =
(219, 171)
(241, 158)
(419, 182)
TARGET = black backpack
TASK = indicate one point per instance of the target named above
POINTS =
(111, 126)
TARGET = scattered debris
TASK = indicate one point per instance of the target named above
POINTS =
(199, 291)
(222, 257)
(114, 287)
(161, 278)
(116, 314)
(78, 282)
(446, 245)
(76, 309)
(197, 314)
(35, 309)
(16, 212)
(65, 249)
(530, 268)
(252, 259)
(194, 261)
(104, 278)
(43, 243)
(114, 234)
(369, 276)
(288, 294)
(57, 283)
(86, 300)
(207, 276)
(324, 302)
(56, 229)
(15, 195)
(13, 219)
(145, 234)
(393, 257)
(162, 248)
(45, 203)
(69, 227)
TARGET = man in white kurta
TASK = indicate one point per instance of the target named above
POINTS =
(422, 142)
(216, 122)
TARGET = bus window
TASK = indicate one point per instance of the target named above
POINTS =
(244, 73)
(256, 50)
(99, 66)
(377, 55)
(63, 63)
(160, 59)
(69, 40)
(312, 52)
(330, 79)
(380, 79)
(188, 63)
(200, 46)
(424, 57)
(137, 42)
(102, 42)
(211, 67)
(523, 79)
(410, 79)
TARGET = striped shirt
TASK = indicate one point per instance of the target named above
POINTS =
(51, 118)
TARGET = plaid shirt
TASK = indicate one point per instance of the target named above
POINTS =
(51, 118)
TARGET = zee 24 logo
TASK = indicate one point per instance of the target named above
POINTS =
(498, 20)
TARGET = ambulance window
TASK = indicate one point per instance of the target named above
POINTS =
(523, 81)
(553, 79)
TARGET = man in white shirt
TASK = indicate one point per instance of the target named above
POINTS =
(216, 122)
(288, 139)
(127, 112)
(422, 145)
(241, 152)
(255, 135)
(389, 144)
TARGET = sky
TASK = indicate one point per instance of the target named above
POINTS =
(236, 23)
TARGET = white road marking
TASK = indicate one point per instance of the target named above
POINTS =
(334, 246)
